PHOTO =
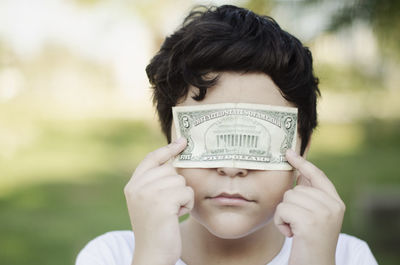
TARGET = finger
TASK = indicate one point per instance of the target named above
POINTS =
(303, 181)
(178, 198)
(165, 183)
(314, 175)
(161, 155)
(288, 215)
(304, 200)
(187, 201)
(317, 195)
(153, 174)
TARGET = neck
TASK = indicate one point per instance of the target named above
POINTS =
(199, 246)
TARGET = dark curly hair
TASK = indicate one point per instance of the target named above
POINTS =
(229, 38)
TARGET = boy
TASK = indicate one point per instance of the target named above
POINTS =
(237, 215)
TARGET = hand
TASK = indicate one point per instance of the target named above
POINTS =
(156, 196)
(311, 213)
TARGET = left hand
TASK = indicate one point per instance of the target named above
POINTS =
(311, 213)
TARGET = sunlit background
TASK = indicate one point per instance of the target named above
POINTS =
(76, 114)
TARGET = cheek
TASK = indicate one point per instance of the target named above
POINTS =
(196, 178)
(273, 187)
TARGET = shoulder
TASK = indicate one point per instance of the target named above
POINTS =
(352, 250)
(111, 248)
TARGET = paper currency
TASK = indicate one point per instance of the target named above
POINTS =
(251, 136)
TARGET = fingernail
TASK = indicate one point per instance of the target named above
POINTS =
(292, 153)
(179, 141)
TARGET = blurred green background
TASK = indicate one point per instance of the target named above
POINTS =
(76, 115)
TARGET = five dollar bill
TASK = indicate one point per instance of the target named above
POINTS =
(240, 135)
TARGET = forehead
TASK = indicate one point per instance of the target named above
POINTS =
(233, 87)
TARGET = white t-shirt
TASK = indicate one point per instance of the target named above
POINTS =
(117, 248)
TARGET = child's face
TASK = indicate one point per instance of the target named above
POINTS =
(265, 188)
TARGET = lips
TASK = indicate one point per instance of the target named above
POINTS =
(230, 199)
(231, 196)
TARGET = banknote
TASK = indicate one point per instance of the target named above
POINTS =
(240, 135)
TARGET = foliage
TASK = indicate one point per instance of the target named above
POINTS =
(381, 15)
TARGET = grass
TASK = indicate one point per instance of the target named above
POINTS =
(66, 186)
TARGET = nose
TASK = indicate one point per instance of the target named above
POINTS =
(232, 172)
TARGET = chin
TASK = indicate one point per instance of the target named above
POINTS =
(231, 225)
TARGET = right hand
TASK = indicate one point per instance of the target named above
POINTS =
(156, 196)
